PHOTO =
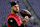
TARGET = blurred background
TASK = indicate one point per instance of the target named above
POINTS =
(32, 5)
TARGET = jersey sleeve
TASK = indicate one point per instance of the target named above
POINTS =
(13, 23)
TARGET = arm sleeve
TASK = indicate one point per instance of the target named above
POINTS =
(22, 25)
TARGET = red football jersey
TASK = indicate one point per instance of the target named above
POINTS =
(16, 17)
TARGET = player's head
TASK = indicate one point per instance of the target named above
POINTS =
(15, 6)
